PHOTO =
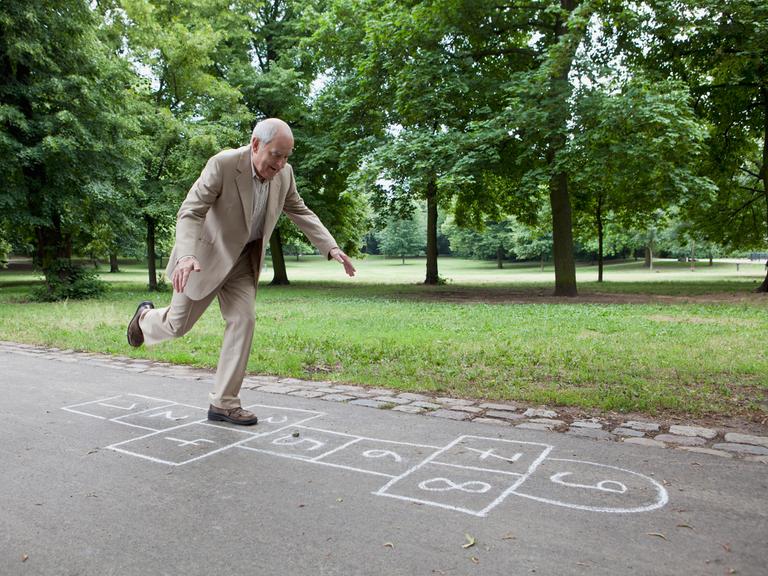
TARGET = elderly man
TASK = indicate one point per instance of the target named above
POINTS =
(222, 230)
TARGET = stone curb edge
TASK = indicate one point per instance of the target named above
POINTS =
(695, 439)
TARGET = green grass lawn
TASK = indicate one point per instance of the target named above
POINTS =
(669, 341)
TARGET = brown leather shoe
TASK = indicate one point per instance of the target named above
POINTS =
(135, 335)
(233, 415)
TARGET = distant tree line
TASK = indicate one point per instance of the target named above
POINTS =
(527, 129)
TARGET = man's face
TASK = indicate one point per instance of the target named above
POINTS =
(269, 159)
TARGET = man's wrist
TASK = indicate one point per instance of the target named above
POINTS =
(187, 257)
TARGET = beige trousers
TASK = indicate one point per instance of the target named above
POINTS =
(236, 295)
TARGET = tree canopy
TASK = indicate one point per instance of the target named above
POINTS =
(606, 119)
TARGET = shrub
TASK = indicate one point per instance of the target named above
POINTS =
(64, 280)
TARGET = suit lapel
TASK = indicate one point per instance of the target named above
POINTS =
(244, 181)
(274, 199)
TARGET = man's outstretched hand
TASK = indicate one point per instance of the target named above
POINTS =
(338, 255)
(184, 268)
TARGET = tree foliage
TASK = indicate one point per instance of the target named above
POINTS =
(63, 131)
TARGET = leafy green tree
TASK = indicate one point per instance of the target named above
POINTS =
(187, 109)
(720, 49)
(494, 241)
(636, 149)
(275, 70)
(414, 66)
(402, 237)
(63, 133)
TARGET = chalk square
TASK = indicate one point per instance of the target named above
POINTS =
(300, 442)
(494, 454)
(116, 406)
(163, 418)
(184, 444)
(455, 488)
(379, 456)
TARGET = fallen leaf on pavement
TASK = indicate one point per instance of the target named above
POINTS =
(475, 560)
(508, 536)
(726, 547)
(24, 557)
(470, 541)
(659, 534)
(685, 526)
(388, 545)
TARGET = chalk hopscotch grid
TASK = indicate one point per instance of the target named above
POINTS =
(248, 437)
(430, 459)
(168, 404)
(319, 458)
(385, 490)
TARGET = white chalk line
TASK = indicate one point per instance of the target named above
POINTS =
(535, 464)
(71, 407)
(118, 419)
(301, 458)
(660, 503)
(353, 441)
(477, 468)
(413, 444)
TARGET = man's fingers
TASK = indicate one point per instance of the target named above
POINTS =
(182, 272)
(348, 267)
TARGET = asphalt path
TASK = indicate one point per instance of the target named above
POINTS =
(105, 471)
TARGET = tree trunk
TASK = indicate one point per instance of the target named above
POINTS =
(693, 255)
(542, 261)
(151, 263)
(500, 257)
(599, 217)
(113, 265)
(432, 274)
(562, 236)
(50, 244)
(649, 257)
(559, 93)
(764, 286)
(280, 277)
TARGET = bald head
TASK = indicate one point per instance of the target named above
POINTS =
(267, 129)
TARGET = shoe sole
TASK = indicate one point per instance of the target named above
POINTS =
(221, 418)
(149, 306)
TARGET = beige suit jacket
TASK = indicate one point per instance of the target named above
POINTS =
(214, 221)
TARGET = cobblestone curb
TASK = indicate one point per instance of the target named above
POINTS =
(695, 439)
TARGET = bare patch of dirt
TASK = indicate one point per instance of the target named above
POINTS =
(480, 295)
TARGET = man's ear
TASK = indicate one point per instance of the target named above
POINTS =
(255, 144)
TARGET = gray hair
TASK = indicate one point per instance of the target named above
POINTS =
(265, 130)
